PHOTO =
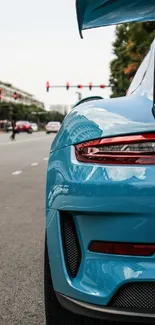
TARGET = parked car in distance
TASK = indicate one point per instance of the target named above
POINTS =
(52, 127)
(34, 127)
(24, 126)
(8, 127)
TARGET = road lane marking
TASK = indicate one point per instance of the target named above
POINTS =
(18, 172)
(34, 164)
(24, 140)
(46, 158)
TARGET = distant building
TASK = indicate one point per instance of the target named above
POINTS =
(7, 91)
(60, 108)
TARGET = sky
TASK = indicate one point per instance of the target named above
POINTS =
(40, 42)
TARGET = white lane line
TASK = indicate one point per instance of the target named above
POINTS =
(18, 172)
(46, 158)
(34, 164)
(21, 141)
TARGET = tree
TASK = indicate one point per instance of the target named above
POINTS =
(130, 47)
(55, 116)
(23, 112)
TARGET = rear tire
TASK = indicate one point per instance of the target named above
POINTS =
(55, 314)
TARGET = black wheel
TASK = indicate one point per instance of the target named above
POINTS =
(55, 314)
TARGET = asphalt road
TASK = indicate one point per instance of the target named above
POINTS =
(23, 165)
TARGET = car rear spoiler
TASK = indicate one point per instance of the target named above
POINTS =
(87, 99)
(99, 13)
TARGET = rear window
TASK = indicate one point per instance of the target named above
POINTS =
(140, 75)
(145, 75)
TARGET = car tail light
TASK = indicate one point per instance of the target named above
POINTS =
(132, 149)
(122, 248)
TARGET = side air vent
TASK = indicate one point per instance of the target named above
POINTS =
(71, 246)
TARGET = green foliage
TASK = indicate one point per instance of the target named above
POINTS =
(22, 112)
(55, 116)
(130, 47)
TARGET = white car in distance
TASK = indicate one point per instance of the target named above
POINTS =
(34, 127)
(52, 127)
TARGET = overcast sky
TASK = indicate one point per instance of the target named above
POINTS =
(40, 41)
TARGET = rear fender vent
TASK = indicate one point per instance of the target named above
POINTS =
(137, 295)
(71, 245)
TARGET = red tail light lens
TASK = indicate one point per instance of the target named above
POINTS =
(133, 149)
(122, 248)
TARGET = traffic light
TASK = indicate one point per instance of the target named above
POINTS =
(90, 86)
(80, 86)
(47, 86)
(67, 85)
(102, 86)
(15, 95)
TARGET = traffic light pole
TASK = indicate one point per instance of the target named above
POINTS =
(78, 86)
(13, 117)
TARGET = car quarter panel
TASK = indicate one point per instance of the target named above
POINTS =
(108, 203)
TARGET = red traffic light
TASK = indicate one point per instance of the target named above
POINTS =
(67, 85)
(90, 86)
(47, 86)
(80, 86)
(102, 86)
(15, 95)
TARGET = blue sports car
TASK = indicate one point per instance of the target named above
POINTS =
(100, 196)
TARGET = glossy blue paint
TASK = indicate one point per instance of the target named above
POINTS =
(100, 275)
(74, 186)
(109, 117)
(111, 203)
(98, 13)
(103, 118)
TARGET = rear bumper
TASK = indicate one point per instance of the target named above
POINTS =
(100, 276)
(94, 311)
(107, 203)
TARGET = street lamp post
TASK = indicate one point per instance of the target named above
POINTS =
(79, 95)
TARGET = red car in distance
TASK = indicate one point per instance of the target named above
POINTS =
(23, 126)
